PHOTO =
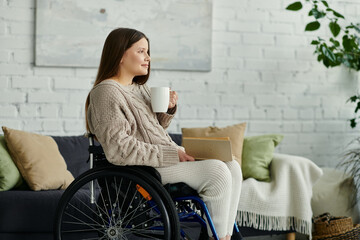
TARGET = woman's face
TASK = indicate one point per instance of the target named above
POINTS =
(136, 59)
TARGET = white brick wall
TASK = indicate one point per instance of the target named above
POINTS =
(263, 73)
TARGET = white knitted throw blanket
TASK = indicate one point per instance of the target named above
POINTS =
(285, 202)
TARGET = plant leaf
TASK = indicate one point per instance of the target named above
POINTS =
(346, 43)
(354, 27)
(352, 99)
(328, 54)
(314, 42)
(326, 62)
(316, 13)
(312, 26)
(357, 107)
(336, 43)
(354, 43)
(338, 14)
(296, 6)
(352, 123)
(320, 57)
(357, 28)
(334, 28)
(325, 3)
(335, 13)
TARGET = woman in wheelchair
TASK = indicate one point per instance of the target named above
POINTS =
(119, 114)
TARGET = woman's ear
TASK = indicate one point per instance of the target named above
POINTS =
(122, 58)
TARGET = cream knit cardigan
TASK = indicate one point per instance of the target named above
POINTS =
(126, 127)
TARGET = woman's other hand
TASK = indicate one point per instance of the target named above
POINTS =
(183, 157)
(173, 99)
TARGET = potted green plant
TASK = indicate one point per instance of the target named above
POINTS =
(342, 48)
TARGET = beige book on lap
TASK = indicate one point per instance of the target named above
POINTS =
(202, 148)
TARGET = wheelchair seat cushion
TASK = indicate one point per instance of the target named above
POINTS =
(180, 189)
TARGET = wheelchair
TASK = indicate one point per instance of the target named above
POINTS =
(129, 202)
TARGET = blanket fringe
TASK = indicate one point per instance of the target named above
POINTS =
(261, 222)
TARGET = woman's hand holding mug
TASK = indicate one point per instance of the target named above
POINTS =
(173, 99)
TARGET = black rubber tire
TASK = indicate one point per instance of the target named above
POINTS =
(77, 194)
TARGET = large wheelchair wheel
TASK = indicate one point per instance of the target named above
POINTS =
(126, 203)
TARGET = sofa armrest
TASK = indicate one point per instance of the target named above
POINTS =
(296, 165)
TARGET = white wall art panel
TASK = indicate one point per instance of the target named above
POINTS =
(71, 33)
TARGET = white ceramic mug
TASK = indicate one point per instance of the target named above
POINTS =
(160, 97)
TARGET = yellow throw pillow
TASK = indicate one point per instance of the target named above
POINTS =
(38, 160)
(234, 132)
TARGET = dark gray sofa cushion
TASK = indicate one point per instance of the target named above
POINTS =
(74, 150)
(28, 211)
(177, 138)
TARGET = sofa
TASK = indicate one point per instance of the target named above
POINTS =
(27, 214)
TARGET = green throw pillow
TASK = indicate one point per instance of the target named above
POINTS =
(9, 174)
(257, 155)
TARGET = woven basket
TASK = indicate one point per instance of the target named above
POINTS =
(354, 234)
(335, 228)
(334, 225)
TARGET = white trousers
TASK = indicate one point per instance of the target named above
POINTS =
(218, 184)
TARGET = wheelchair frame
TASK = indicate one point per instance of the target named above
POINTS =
(185, 204)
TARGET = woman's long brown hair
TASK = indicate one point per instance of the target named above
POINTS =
(116, 43)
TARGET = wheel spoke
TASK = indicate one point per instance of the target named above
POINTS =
(78, 223)
(82, 230)
(130, 204)
(97, 206)
(85, 223)
(110, 203)
(148, 220)
(148, 210)
(120, 211)
(133, 212)
(106, 210)
(142, 229)
(127, 191)
(90, 218)
(117, 189)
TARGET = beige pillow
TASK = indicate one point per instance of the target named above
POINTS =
(38, 160)
(234, 132)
